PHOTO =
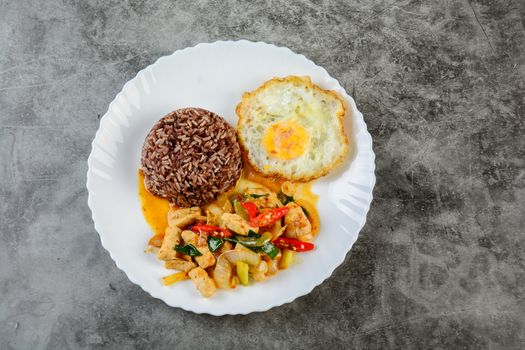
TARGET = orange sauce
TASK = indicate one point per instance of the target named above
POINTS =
(154, 208)
(272, 183)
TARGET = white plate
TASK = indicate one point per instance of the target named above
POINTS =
(214, 76)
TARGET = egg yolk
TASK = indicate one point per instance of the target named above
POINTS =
(285, 140)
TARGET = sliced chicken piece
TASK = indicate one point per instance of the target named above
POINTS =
(184, 217)
(237, 224)
(272, 265)
(181, 265)
(171, 240)
(259, 272)
(207, 258)
(297, 224)
(202, 281)
(184, 257)
(189, 237)
(213, 214)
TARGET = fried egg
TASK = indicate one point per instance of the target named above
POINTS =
(292, 129)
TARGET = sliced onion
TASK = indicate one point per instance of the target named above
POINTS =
(223, 272)
(248, 256)
(288, 188)
(277, 229)
(239, 247)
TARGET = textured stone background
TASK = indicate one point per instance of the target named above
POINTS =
(441, 260)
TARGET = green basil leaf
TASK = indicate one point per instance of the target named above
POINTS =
(270, 249)
(253, 234)
(188, 249)
(214, 243)
(285, 199)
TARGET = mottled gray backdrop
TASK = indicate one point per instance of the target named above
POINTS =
(441, 260)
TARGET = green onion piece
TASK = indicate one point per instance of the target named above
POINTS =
(253, 195)
(252, 242)
(231, 239)
(239, 210)
(270, 249)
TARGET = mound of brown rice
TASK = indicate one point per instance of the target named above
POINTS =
(191, 156)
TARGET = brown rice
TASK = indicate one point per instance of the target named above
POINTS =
(191, 156)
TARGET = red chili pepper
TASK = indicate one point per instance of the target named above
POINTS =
(214, 231)
(251, 209)
(268, 217)
(293, 244)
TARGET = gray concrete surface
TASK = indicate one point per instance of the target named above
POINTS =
(440, 263)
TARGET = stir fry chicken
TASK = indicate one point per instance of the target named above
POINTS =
(247, 236)
(179, 264)
(263, 198)
(237, 224)
(297, 224)
(171, 239)
(202, 281)
(207, 258)
(184, 217)
(189, 236)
